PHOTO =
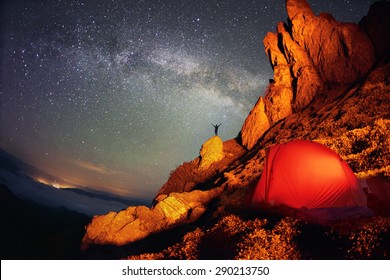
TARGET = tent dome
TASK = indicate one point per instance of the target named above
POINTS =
(307, 175)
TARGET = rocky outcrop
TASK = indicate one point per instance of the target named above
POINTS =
(335, 48)
(137, 223)
(255, 125)
(189, 176)
(308, 54)
(304, 80)
(211, 152)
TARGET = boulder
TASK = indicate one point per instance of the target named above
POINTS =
(211, 152)
(136, 223)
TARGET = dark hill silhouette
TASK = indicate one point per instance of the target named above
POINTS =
(32, 231)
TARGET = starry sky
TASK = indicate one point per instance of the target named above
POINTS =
(115, 94)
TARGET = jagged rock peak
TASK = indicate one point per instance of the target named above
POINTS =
(335, 48)
(298, 9)
(308, 54)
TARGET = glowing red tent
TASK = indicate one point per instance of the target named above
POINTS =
(309, 176)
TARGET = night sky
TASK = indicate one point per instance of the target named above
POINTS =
(115, 94)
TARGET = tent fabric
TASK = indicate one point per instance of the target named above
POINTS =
(307, 175)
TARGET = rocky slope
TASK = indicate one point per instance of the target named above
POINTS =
(331, 84)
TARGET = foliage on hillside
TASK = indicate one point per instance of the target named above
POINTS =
(233, 237)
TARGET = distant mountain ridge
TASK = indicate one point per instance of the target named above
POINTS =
(106, 196)
(16, 174)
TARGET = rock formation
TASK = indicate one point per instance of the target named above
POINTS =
(211, 152)
(335, 48)
(189, 176)
(136, 223)
(308, 54)
(255, 125)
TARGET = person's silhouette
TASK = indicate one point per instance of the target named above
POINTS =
(216, 126)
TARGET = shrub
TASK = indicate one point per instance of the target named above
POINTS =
(188, 249)
(365, 238)
(277, 243)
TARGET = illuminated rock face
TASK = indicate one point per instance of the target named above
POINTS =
(295, 73)
(341, 52)
(136, 223)
(211, 152)
(307, 55)
(188, 176)
(255, 125)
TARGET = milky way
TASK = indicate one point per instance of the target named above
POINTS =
(115, 94)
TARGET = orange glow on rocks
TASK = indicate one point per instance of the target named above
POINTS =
(136, 223)
(211, 151)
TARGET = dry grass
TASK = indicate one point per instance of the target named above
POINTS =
(286, 238)
(367, 238)
(275, 244)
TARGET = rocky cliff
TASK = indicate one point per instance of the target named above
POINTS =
(311, 53)
(331, 84)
